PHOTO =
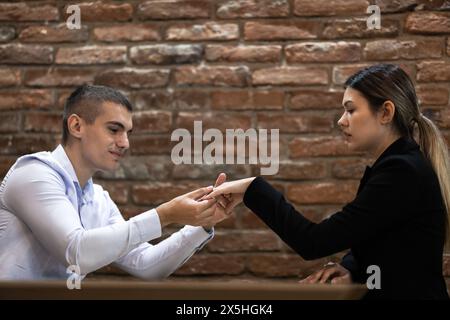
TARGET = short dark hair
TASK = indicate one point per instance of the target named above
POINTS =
(86, 100)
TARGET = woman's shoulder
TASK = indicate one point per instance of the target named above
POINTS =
(413, 165)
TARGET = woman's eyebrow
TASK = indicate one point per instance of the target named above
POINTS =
(345, 104)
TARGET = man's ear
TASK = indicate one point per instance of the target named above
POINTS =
(387, 112)
(75, 125)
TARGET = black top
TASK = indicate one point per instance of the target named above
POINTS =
(396, 222)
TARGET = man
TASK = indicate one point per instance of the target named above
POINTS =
(52, 215)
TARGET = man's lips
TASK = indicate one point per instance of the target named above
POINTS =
(117, 154)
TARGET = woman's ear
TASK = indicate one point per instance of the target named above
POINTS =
(387, 112)
(74, 124)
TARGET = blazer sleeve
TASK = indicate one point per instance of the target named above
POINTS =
(388, 199)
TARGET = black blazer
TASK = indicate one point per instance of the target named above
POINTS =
(396, 222)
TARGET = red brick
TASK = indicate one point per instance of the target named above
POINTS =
(7, 33)
(244, 242)
(448, 46)
(58, 33)
(341, 73)
(301, 170)
(322, 193)
(408, 49)
(249, 220)
(330, 8)
(315, 147)
(149, 144)
(205, 31)
(315, 99)
(133, 78)
(9, 77)
(349, 168)
(151, 100)
(247, 100)
(224, 53)
(231, 9)
(323, 52)
(100, 12)
(290, 76)
(17, 53)
(206, 264)
(5, 164)
(61, 97)
(25, 99)
(221, 121)
(280, 30)
(166, 54)
(432, 96)
(118, 191)
(127, 32)
(433, 71)
(357, 28)
(10, 123)
(212, 76)
(189, 100)
(43, 122)
(170, 9)
(295, 123)
(446, 265)
(389, 6)
(152, 121)
(155, 168)
(159, 192)
(55, 77)
(443, 118)
(92, 55)
(27, 12)
(281, 265)
(428, 22)
(209, 172)
(19, 145)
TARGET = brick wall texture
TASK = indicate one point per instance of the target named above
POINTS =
(232, 64)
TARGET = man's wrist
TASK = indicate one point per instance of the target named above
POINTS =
(163, 213)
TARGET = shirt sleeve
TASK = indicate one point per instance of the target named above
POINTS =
(36, 194)
(153, 262)
(387, 200)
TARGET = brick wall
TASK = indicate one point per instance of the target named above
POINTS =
(232, 64)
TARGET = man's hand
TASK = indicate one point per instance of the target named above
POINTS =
(188, 209)
(219, 213)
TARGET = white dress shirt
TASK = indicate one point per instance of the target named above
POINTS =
(47, 223)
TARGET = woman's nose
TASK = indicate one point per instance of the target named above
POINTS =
(342, 122)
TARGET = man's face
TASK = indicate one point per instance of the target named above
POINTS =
(105, 141)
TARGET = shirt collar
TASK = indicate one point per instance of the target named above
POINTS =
(60, 155)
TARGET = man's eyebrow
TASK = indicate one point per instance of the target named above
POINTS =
(116, 123)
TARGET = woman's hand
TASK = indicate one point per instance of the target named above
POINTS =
(232, 191)
(332, 272)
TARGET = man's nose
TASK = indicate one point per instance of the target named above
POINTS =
(123, 142)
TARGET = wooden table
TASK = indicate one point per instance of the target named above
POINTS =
(179, 290)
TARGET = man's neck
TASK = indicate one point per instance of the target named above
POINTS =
(82, 171)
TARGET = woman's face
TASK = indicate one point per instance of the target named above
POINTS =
(363, 130)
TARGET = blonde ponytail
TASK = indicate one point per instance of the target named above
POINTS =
(435, 149)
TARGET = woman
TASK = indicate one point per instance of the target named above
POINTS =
(398, 220)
